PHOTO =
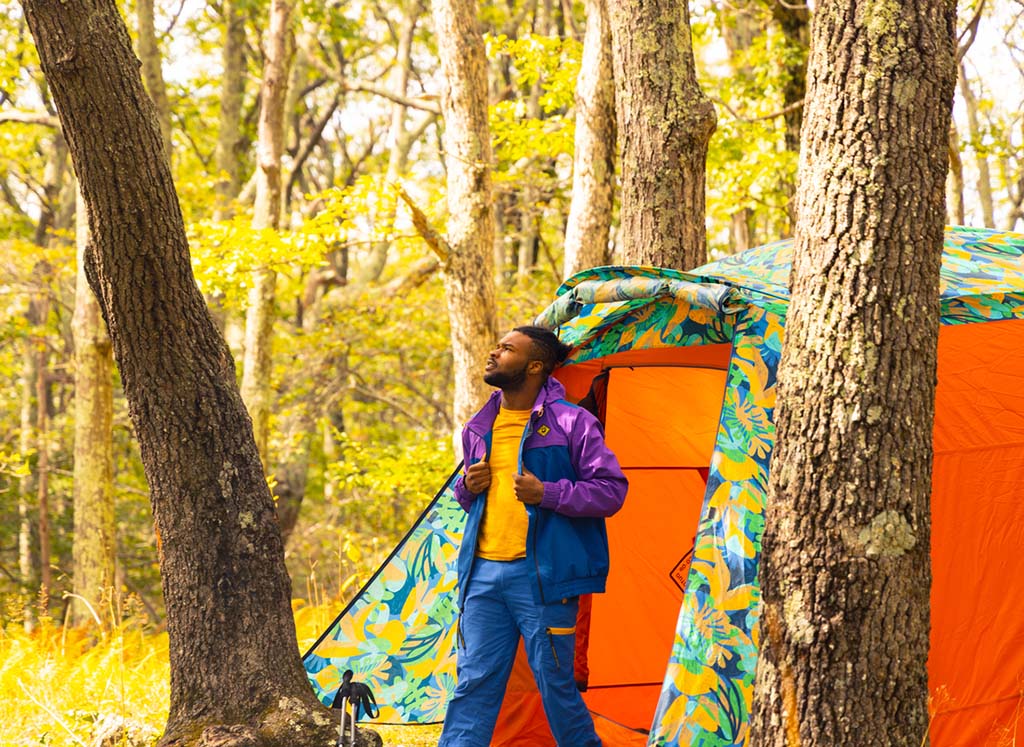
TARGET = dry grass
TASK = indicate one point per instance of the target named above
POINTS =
(408, 736)
(64, 686)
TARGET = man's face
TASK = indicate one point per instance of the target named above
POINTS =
(507, 364)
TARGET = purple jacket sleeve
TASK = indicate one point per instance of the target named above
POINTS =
(600, 486)
(462, 493)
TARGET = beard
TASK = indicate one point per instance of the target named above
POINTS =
(510, 380)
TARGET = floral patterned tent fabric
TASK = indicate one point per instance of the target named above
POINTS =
(398, 634)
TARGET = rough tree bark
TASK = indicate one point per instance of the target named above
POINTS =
(664, 124)
(94, 550)
(468, 268)
(593, 175)
(236, 677)
(259, 315)
(845, 570)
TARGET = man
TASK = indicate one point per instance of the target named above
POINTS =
(538, 485)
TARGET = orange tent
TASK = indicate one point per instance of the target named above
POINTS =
(686, 364)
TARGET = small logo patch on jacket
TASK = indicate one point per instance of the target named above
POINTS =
(543, 430)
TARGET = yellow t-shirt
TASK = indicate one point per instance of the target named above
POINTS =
(503, 529)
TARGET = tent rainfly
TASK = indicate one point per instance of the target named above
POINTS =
(685, 367)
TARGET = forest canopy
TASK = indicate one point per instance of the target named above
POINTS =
(360, 379)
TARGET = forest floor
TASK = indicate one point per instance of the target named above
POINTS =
(63, 686)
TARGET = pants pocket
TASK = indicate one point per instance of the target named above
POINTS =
(564, 639)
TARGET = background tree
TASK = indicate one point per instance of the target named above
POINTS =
(664, 125)
(152, 68)
(266, 219)
(593, 180)
(95, 542)
(468, 269)
(845, 572)
(228, 156)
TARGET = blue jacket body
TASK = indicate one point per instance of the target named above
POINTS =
(566, 542)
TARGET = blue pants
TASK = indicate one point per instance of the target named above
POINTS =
(498, 608)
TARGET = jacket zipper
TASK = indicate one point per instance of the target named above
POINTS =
(539, 412)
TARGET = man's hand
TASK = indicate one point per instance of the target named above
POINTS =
(478, 477)
(529, 489)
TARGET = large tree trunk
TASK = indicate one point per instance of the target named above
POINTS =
(235, 669)
(468, 269)
(94, 550)
(845, 570)
(259, 315)
(593, 176)
(664, 124)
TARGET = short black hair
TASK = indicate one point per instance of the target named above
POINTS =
(546, 346)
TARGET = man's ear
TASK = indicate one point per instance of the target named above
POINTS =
(535, 367)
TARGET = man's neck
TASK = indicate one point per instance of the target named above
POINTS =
(522, 398)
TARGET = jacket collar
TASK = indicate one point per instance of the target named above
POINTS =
(552, 391)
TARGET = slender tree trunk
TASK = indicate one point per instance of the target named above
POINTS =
(664, 125)
(980, 157)
(152, 69)
(232, 90)
(528, 215)
(845, 569)
(94, 547)
(26, 568)
(398, 143)
(794, 21)
(235, 670)
(43, 470)
(955, 180)
(468, 270)
(740, 27)
(593, 176)
(527, 199)
(259, 317)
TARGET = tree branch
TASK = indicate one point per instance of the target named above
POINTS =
(422, 223)
(736, 115)
(427, 104)
(418, 275)
(970, 29)
(314, 138)
(39, 118)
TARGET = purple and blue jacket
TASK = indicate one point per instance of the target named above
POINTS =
(566, 542)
